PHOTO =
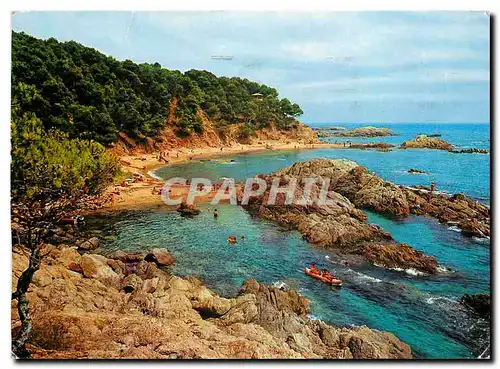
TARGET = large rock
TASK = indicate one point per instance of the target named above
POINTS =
(188, 210)
(89, 245)
(161, 257)
(168, 317)
(366, 190)
(339, 224)
(96, 266)
(426, 142)
(479, 303)
(368, 131)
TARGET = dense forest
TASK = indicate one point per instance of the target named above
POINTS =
(88, 95)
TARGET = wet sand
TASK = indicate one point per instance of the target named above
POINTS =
(145, 192)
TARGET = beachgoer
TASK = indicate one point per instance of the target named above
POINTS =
(242, 237)
(433, 187)
(216, 213)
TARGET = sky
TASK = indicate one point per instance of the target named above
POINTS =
(340, 67)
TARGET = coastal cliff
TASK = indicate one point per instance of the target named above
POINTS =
(211, 137)
(90, 306)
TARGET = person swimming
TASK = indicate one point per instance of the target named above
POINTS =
(216, 213)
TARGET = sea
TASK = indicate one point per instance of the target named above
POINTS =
(423, 311)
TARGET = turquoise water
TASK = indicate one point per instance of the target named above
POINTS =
(421, 310)
(467, 173)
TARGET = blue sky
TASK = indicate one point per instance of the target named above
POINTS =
(340, 67)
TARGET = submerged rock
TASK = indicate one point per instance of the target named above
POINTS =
(416, 171)
(162, 316)
(188, 210)
(471, 151)
(380, 146)
(479, 303)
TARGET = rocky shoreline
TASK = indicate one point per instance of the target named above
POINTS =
(368, 131)
(339, 225)
(90, 306)
(342, 225)
(368, 191)
(431, 142)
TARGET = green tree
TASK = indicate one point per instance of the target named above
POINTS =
(50, 176)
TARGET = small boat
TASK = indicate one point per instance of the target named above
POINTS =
(317, 275)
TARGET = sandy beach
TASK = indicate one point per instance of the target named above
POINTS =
(145, 190)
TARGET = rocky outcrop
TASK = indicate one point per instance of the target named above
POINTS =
(188, 210)
(471, 217)
(394, 256)
(366, 190)
(479, 303)
(431, 142)
(368, 131)
(379, 146)
(162, 257)
(471, 151)
(150, 314)
(427, 142)
(338, 223)
(89, 245)
(416, 171)
(329, 128)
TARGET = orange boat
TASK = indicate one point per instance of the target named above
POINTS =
(318, 275)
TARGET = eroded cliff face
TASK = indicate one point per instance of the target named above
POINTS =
(212, 136)
(89, 306)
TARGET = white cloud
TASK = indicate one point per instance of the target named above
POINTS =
(423, 76)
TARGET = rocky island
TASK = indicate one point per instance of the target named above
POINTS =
(368, 131)
(427, 142)
(431, 142)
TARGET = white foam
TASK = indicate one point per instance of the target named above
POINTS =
(485, 239)
(152, 174)
(454, 229)
(432, 300)
(413, 271)
(368, 277)
(409, 271)
(441, 269)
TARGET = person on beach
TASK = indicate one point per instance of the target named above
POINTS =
(433, 187)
